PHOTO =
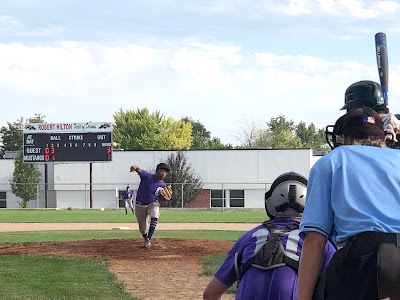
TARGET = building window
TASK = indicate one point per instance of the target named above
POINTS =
(3, 199)
(216, 198)
(236, 198)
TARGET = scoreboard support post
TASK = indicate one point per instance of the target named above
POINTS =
(46, 184)
(91, 184)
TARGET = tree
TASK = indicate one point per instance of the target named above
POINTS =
(201, 137)
(281, 133)
(263, 139)
(284, 139)
(311, 137)
(278, 124)
(278, 134)
(215, 143)
(140, 130)
(181, 177)
(288, 135)
(11, 135)
(248, 134)
(26, 177)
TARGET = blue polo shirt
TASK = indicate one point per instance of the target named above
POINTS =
(351, 190)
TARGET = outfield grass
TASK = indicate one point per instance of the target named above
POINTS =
(114, 216)
(58, 236)
(37, 277)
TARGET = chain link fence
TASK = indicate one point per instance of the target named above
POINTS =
(109, 196)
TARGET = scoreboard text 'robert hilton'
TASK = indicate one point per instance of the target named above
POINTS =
(67, 142)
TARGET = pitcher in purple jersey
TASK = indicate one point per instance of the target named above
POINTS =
(147, 203)
(264, 260)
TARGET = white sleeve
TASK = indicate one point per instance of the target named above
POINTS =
(391, 124)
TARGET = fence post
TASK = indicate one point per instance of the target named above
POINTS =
(85, 196)
(37, 195)
(182, 197)
(116, 198)
(223, 198)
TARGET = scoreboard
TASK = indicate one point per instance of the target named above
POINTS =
(67, 142)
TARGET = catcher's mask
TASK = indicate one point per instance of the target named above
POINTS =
(287, 196)
(333, 133)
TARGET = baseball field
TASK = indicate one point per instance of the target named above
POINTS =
(78, 254)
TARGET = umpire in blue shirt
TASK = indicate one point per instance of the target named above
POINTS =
(353, 199)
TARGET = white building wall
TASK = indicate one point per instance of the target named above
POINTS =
(6, 173)
(254, 198)
(81, 199)
(252, 170)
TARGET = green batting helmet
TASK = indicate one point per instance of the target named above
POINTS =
(365, 92)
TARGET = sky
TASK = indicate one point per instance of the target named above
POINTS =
(224, 63)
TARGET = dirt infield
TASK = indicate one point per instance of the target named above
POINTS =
(173, 264)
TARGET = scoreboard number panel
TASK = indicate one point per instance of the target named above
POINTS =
(67, 145)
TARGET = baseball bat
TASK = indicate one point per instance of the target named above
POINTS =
(382, 64)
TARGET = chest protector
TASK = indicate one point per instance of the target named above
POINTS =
(271, 255)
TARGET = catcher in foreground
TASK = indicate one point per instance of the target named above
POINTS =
(151, 190)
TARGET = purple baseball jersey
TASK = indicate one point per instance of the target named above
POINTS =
(127, 195)
(149, 188)
(278, 283)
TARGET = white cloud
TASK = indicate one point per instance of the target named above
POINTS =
(388, 6)
(298, 7)
(132, 58)
(339, 8)
(9, 20)
(359, 9)
(217, 83)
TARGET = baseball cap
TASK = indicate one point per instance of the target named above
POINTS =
(361, 122)
(162, 166)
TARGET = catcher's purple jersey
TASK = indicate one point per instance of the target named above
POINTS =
(279, 283)
(149, 188)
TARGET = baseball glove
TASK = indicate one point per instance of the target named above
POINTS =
(166, 193)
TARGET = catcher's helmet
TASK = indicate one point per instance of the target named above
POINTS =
(365, 92)
(287, 196)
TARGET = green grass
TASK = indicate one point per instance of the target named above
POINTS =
(37, 277)
(211, 264)
(58, 236)
(114, 216)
